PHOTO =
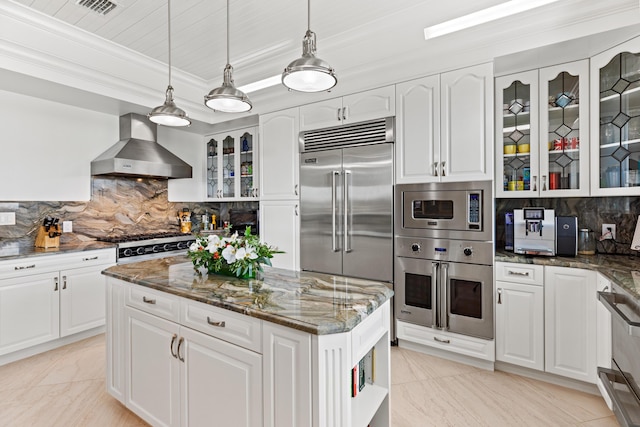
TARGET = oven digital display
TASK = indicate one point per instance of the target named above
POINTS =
(433, 209)
(533, 213)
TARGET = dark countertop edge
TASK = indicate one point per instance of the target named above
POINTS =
(32, 251)
(334, 328)
(605, 264)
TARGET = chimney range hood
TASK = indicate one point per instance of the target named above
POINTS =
(138, 155)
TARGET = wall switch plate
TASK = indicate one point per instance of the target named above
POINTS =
(605, 231)
(7, 218)
(67, 226)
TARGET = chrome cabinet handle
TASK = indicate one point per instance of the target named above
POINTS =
(24, 267)
(347, 247)
(180, 341)
(295, 189)
(443, 168)
(544, 183)
(148, 301)
(535, 183)
(435, 169)
(173, 341)
(344, 113)
(213, 323)
(499, 295)
(339, 116)
(518, 273)
(334, 235)
(296, 210)
(55, 281)
(90, 259)
(64, 282)
(441, 340)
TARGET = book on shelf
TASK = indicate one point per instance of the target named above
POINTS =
(363, 373)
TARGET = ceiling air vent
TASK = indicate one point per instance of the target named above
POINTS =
(101, 7)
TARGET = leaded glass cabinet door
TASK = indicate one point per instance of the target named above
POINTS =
(564, 136)
(616, 121)
(248, 157)
(228, 166)
(213, 167)
(517, 135)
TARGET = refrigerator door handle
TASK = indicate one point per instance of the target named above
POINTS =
(334, 212)
(347, 247)
(445, 297)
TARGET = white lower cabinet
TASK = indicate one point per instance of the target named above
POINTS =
(520, 324)
(570, 322)
(49, 297)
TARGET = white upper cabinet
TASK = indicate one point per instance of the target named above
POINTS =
(188, 147)
(358, 107)
(445, 127)
(543, 138)
(232, 170)
(279, 158)
(615, 121)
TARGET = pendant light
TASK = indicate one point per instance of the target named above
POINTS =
(169, 114)
(309, 73)
(227, 98)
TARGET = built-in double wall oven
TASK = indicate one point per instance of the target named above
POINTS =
(444, 257)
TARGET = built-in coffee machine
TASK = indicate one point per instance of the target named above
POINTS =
(534, 231)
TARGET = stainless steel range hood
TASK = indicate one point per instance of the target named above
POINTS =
(137, 154)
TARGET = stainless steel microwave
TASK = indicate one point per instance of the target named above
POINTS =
(452, 210)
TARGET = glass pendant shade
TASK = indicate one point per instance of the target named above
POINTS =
(169, 114)
(309, 73)
(227, 98)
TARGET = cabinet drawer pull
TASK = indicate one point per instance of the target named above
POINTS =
(180, 341)
(148, 301)
(212, 323)
(90, 258)
(518, 273)
(24, 267)
(442, 341)
(173, 341)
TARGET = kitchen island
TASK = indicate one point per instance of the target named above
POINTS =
(289, 348)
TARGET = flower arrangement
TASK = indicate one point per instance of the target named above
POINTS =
(241, 256)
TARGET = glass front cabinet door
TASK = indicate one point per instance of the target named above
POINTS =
(231, 169)
(544, 149)
(615, 121)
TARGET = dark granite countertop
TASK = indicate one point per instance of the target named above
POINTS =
(311, 302)
(622, 270)
(9, 252)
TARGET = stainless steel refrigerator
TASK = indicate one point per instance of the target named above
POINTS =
(346, 209)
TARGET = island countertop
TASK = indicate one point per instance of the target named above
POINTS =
(311, 302)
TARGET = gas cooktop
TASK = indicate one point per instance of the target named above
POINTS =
(145, 236)
(138, 247)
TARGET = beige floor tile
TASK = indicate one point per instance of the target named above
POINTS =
(87, 363)
(424, 366)
(609, 421)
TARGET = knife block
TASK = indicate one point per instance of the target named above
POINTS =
(44, 241)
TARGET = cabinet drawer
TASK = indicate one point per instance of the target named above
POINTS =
(520, 273)
(227, 325)
(47, 263)
(364, 336)
(154, 302)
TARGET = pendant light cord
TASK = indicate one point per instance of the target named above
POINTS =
(169, 35)
(228, 32)
(309, 15)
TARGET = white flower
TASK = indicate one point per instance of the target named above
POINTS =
(214, 244)
(195, 246)
(229, 253)
(246, 253)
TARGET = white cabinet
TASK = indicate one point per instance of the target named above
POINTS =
(520, 318)
(357, 107)
(187, 146)
(445, 127)
(29, 310)
(279, 158)
(40, 303)
(542, 134)
(603, 326)
(615, 121)
(280, 227)
(115, 341)
(232, 167)
(570, 322)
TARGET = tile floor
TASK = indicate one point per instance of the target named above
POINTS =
(65, 387)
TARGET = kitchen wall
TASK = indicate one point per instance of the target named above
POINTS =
(592, 212)
(117, 206)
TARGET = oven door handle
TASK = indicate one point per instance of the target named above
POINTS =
(445, 297)
(609, 299)
(334, 211)
(607, 377)
(434, 292)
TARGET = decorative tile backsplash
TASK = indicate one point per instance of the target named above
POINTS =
(592, 212)
(117, 206)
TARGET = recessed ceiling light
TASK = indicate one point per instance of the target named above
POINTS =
(483, 16)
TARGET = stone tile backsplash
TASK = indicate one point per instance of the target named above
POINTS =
(117, 206)
(592, 212)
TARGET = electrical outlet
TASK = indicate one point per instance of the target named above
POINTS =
(7, 218)
(609, 231)
(67, 226)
